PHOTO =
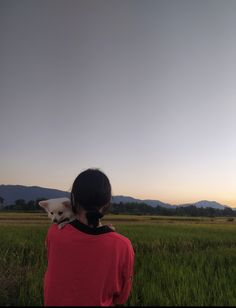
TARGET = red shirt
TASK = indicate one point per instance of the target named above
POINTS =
(87, 266)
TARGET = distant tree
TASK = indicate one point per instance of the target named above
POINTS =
(20, 202)
(228, 211)
(190, 210)
(31, 205)
(1, 203)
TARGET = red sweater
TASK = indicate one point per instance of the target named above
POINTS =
(87, 266)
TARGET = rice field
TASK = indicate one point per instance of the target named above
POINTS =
(178, 261)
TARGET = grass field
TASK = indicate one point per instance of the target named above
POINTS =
(179, 261)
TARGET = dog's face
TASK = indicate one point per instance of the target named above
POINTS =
(58, 209)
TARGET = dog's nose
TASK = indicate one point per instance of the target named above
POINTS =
(54, 220)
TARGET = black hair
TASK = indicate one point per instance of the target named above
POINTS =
(91, 190)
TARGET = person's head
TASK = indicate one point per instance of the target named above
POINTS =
(91, 192)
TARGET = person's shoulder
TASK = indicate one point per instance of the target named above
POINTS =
(123, 240)
(52, 229)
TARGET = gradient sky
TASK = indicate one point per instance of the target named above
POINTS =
(144, 90)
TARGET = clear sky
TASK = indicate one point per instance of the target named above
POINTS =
(144, 90)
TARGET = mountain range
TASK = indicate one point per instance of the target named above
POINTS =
(10, 193)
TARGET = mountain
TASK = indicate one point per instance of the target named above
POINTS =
(213, 204)
(11, 193)
(153, 203)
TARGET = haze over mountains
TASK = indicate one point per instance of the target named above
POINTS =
(11, 193)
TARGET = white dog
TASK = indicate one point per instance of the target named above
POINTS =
(59, 210)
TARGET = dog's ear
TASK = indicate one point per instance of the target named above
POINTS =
(67, 204)
(43, 204)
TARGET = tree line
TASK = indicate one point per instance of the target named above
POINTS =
(24, 206)
(191, 210)
(132, 209)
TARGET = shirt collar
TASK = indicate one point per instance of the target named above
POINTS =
(89, 230)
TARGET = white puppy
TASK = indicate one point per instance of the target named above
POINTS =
(59, 210)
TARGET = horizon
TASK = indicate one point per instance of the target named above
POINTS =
(143, 90)
(130, 196)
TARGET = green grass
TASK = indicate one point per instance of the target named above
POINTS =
(181, 265)
(178, 262)
(22, 259)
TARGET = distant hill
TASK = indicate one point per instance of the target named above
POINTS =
(206, 204)
(154, 203)
(11, 193)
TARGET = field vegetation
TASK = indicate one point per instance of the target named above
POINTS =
(179, 261)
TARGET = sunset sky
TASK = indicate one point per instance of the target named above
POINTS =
(144, 90)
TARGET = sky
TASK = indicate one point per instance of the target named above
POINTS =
(143, 90)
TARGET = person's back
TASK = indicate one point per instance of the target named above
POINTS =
(87, 269)
(87, 266)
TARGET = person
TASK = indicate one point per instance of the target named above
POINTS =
(89, 264)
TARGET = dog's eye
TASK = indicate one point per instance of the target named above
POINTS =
(51, 213)
(60, 213)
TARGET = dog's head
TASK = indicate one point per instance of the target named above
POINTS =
(58, 209)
